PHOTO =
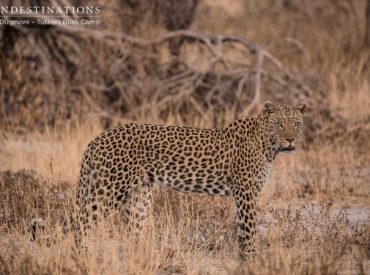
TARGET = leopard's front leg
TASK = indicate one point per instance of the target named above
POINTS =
(246, 220)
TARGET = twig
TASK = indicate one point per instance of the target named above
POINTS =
(257, 92)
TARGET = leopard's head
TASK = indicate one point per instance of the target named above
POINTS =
(286, 124)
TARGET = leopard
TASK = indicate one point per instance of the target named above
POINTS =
(120, 166)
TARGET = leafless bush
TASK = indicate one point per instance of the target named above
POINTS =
(213, 78)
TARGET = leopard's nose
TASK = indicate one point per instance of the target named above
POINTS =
(290, 140)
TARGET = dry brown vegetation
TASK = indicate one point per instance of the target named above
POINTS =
(61, 86)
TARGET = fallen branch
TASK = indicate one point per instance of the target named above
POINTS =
(212, 43)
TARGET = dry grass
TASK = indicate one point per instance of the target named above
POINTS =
(314, 214)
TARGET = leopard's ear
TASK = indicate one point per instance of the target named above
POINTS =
(302, 107)
(269, 107)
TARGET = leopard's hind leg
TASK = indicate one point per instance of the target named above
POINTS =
(137, 209)
(132, 198)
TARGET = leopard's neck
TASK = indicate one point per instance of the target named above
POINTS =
(268, 143)
(250, 132)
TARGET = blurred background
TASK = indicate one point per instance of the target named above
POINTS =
(192, 62)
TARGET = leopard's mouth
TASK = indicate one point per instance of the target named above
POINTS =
(290, 148)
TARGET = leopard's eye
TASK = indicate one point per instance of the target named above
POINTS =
(297, 123)
(280, 125)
